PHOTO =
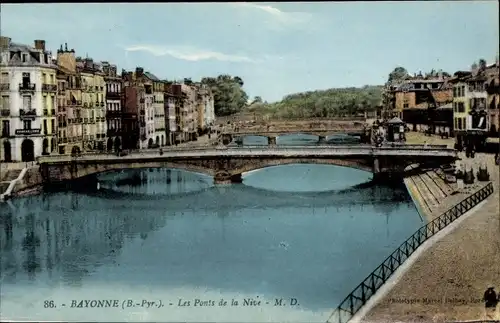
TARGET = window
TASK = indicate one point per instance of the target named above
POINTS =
(26, 79)
(459, 124)
(44, 78)
(44, 102)
(5, 102)
(461, 107)
(405, 106)
(52, 126)
(45, 130)
(5, 77)
(24, 57)
(27, 124)
(51, 78)
(26, 102)
(5, 128)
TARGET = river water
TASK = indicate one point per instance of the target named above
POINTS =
(304, 235)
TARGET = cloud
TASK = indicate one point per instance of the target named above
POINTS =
(189, 53)
(277, 15)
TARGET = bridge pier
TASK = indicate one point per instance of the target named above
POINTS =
(227, 179)
(321, 139)
(271, 141)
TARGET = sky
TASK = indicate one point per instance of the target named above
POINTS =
(276, 48)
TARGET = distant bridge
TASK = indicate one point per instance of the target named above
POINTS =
(320, 128)
(227, 165)
(273, 135)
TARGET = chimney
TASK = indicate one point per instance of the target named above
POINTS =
(5, 42)
(40, 44)
(139, 72)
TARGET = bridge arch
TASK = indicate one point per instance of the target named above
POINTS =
(359, 165)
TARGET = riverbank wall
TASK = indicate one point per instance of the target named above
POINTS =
(29, 181)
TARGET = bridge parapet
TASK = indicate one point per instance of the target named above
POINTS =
(228, 164)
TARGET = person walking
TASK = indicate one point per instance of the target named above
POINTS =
(491, 300)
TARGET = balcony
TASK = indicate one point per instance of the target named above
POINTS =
(113, 95)
(27, 113)
(142, 112)
(102, 104)
(5, 113)
(91, 120)
(27, 87)
(113, 132)
(113, 114)
(141, 100)
(74, 103)
(61, 91)
(28, 131)
(85, 120)
(4, 87)
(49, 87)
(53, 111)
(85, 104)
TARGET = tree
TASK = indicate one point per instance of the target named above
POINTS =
(229, 96)
(323, 104)
(257, 99)
(398, 74)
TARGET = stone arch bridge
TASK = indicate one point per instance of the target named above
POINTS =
(227, 165)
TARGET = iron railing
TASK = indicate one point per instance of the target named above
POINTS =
(376, 279)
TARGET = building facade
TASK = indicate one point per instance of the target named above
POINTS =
(181, 114)
(28, 101)
(93, 97)
(113, 106)
(189, 111)
(133, 111)
(169, 101)
(493, 99)
(469, 100)
(70, 115)
(146, 113)
(158, 110)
